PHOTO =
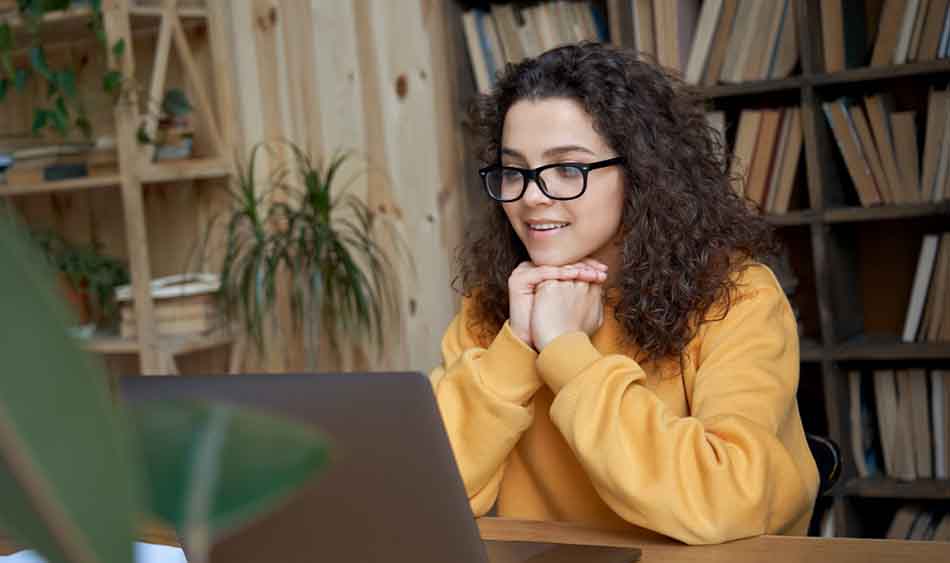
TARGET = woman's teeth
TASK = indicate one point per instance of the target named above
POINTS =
(547, 226)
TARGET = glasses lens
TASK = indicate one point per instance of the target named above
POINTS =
(504, 183)
(563, 181)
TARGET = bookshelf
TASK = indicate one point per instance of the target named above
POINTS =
(851, 314)
(171, 43)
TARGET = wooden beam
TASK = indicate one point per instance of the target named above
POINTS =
(163, 47)
(116, 19)
(201, 92)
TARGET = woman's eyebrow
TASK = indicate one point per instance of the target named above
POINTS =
(549, 153)
(558, 151)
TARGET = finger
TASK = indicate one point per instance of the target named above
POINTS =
(533, 277)
(591, 275)
(596, 264)
(524, 266)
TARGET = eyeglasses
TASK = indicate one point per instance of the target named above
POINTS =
(561, 181)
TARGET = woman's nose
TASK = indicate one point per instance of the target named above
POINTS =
(534, 196)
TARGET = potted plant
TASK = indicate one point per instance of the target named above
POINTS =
(87, 277)
(300, 229)
(174, 136)
(80, 474)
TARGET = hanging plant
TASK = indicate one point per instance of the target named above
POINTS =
(63, 107)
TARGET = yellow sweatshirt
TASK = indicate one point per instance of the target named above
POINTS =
(581, 432)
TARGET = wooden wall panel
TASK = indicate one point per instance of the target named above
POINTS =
(369, 77)
(402, 53)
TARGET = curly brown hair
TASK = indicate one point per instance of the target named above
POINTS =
(685, 232)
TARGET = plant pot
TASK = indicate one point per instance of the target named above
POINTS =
(175, 140)
(77, 299)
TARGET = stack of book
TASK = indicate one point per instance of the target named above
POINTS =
(766, 155)
(883, 32)
(880, 151)
(732, 40)
(914, 522)
(509, 33)
(901, 418)
(183, 304)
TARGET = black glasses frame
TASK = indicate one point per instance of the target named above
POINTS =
(529, 174)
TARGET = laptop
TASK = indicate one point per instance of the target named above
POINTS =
(391, 492)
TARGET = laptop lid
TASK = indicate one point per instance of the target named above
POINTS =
(392, 491)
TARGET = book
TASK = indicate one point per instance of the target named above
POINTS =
(832, 35)
(702, 40)
(904, 128)
(925, 265)
(879, 119)
(789, 164)
(846, 137)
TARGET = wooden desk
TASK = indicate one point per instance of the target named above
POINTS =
(774, 549)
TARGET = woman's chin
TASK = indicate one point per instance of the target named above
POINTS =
(550, 260)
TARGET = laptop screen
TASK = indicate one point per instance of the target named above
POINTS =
(392, 491)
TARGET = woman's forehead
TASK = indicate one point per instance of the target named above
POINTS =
(541, 125)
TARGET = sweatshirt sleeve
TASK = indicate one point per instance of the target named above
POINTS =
(484, 395)
(722, 473)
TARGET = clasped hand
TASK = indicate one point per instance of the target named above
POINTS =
(548, 301)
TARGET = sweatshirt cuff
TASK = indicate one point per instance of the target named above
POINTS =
(509, 367)
(565, 357)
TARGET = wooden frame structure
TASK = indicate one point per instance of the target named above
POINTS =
(136, 165)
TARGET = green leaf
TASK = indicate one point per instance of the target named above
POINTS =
(176, 103)
(118, 49)
(60, 117)
(6, 37)
(7, 61)
(215, 467)
(66, 79)
(38, 60)
(84, 125)
(40, 117)
(4, 86)
(141, 135)
(111, 81)
(20, 77)
(68, 484)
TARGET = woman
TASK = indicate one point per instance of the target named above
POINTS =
(622, 358)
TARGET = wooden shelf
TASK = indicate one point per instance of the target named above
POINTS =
(793, 218)
(847, 77)
(873, 74)
(187, 169)
(72, 25)
(77, 184)
(156, 173)
(64, 22)
(850, 76)
(889, 347)
(810, 350)
(922, 489)
(720, 91)
(113, 344)
(885, 212)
